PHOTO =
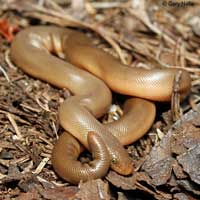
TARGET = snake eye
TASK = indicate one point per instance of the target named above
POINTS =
(114, 160)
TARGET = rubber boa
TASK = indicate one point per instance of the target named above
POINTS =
(32, 51)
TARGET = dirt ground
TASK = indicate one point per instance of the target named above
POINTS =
(147, 34)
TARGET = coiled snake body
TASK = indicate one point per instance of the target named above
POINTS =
(31, 51)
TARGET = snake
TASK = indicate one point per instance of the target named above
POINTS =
(67, 58)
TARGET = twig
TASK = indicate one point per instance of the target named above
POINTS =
(41, 166)
(175, 102)
(20, 160)
(12, 121)
(4, 73)
(55, 129)
(115, 46)
(106, 5)
(40, 2)
(46, 141)
(30, 108)
(140, 13)
(55, 5)
(8, 61)
(193, 104)
(43, 106)
(67, 20)
(71, 21)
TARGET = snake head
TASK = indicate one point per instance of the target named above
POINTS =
(121, 162)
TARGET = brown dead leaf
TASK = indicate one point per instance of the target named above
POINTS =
(14, 178)
(178, 171)
(31, 195)
(189, 186)
(59, 193)
(140, 181)
(181, 145)
(191, 163)
(182, 196)
(7, 30)
(93, 190)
